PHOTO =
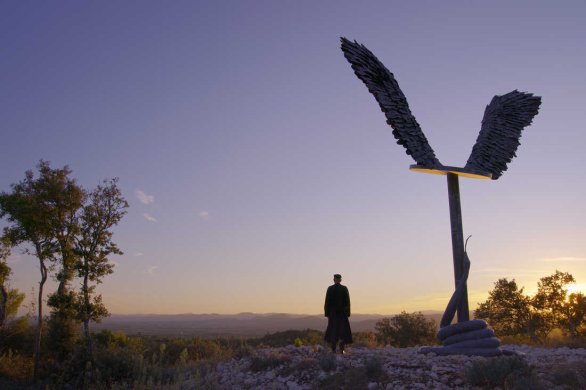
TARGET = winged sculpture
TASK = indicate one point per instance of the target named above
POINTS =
(504, 118)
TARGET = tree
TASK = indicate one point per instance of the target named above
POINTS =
(29, 216)
(64, 225)
(574, 320)
(510, 312)
(550, 298)
(62, 198)
(507, 309)
(104, 209)
(406, 330)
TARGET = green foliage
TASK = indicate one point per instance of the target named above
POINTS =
(16, 366)
(68, 228)
(573, 322)
(511, 313)
(108, 338)
(507, 309)
(41, 214)
(11, 330)
(62, 336)
(5, 270)
(406, 330)
(364, 339)
(13, 303)
(104, 209)
(509, 372)
(289, 337)
(550, 299)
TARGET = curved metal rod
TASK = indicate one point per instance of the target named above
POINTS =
(458, 294)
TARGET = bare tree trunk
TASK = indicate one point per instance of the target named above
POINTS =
(86, 326)
(40, 318)
(3, 304)
(86, 318)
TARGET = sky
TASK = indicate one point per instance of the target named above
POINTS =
(257, 165)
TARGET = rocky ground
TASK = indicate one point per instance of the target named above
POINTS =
(310, 367)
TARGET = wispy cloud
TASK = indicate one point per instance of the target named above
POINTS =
(563, 259)
(143, 197)
(151, 269)
(204, 215)
(138, 254)
(149, 217)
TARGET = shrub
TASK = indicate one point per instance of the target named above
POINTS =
(16, 367)
(263, 363)
(373, 366)
(406, 330)
(326, 361)
(571, 375)
(305, 367)
(352, 378)
(242, 350)
(510, 372)
(364, 339)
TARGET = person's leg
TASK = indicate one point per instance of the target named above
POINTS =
(342, 345)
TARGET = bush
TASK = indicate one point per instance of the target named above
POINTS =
(326, 361)
(374, 367)
(16, 367)
(364, 339)
(406, 330)
(352, 378)
(510, 372)
(263, 363)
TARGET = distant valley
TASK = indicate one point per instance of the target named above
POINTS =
(233, 325)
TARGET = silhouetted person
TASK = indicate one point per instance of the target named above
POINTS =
(337, 309)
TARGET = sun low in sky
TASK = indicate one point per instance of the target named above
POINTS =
(257, 166)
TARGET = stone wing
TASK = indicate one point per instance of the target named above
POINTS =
(504, 119)
(382, 84)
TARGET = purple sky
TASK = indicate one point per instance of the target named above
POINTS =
(257, 165)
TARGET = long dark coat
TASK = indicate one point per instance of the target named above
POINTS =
(337, 309)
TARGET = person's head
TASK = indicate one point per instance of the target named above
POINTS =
(337, 278)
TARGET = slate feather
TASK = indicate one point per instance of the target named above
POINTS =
(504, 119)
(382, 84)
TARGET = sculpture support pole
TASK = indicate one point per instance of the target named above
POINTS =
(457, 242)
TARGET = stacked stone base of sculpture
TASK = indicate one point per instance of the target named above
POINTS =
(473, 338)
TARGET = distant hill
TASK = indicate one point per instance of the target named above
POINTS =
(231, 325)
